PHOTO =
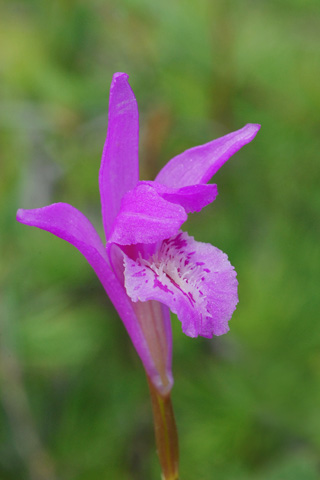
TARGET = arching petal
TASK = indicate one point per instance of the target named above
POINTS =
(68, 223)
(195, 280)
(145, 217)
(199, 164)
(192, 198)
(119, 171)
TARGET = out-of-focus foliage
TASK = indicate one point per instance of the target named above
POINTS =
(74, 401)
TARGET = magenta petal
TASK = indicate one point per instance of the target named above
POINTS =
(119, 171)
(199, 164)
(192, 198)
(68, 223)
(195, 280)
(145, 217)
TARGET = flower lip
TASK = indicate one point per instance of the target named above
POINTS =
(194, 279)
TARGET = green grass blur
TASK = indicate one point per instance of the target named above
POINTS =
(74, 401)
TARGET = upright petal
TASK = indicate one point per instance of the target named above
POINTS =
(199, 164)
(68, 223)
(119, 171)
(195, 280)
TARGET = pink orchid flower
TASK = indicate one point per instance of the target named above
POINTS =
(148, 265)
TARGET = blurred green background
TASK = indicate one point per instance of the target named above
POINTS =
(74, 401)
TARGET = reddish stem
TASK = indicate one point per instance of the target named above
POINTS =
(165, 433)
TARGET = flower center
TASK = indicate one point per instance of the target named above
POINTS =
(174, 264)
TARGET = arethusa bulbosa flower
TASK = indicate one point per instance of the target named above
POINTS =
(147, 265)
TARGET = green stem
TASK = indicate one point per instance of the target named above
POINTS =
(165, 433)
